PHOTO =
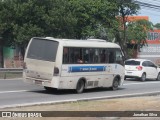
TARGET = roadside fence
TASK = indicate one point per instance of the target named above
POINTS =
(10, 73)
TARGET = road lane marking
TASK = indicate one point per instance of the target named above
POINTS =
(142, 83)
(1, 92)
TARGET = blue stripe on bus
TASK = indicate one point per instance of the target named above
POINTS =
(87, 68)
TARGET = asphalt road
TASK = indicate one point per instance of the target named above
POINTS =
(17, 93)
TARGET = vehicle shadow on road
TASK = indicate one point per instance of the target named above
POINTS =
(66, 92)
(138, 80)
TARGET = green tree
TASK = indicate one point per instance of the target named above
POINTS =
(137, 32)
(22, 19)
(93, 16)
(6, 28)
(125, 8)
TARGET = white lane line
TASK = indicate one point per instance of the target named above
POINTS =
(142, 83)
(1, 92)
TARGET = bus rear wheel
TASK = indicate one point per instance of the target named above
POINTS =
(80, 86)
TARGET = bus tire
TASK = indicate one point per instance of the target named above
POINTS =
(115, 83)
(80, 86)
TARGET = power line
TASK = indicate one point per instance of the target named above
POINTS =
(156, 0)
(153, 13)
(148, 5)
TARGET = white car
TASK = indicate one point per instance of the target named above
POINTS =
(141, 68)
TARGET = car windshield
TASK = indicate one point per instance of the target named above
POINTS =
(132, 62)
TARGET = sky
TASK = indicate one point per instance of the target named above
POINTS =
(154, 14)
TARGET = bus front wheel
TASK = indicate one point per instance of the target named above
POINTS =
(115, 83)
(80, 86)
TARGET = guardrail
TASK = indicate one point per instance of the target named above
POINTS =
(5, 71)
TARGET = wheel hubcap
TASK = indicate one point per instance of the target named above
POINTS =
(80, 86)
(116, 84)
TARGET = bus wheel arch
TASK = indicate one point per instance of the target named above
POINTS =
(116, 82)
(80, 85)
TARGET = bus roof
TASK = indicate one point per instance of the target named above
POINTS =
(99, 43)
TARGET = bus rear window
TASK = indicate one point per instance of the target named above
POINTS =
(42, 49)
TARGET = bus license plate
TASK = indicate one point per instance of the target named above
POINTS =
(38, 82)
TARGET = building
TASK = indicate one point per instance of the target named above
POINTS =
(152, 49)
(12, 57)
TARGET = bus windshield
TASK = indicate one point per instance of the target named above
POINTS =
(42, 49)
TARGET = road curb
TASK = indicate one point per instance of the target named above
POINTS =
(122, 96)
(13, 79)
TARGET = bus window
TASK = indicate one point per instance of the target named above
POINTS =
(91, 53)
(86, 55)
(41, 49)
(104, 56)
(115, 56)
(119, 57)
(65, 55)
(111, 56)
(76, 55)
(96, 56)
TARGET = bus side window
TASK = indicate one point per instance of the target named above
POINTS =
(77, 55)
(111, 57)
(65, 55)
(104, 56)
(96, 56)
(115, 56)
(86, 55)
(107, 56)
(119, 57)
(91, 55)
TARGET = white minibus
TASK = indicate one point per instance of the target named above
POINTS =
(73, 64)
